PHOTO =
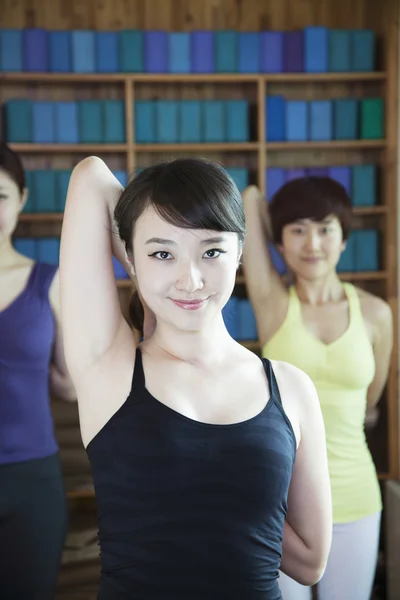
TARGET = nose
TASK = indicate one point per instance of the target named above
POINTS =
(313, 241)
(189, 279)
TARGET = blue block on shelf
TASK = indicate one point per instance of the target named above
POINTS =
(19, 125)
(189, 129)
(202, 51)
(363, 185)
(11, 50)
(316, 49)
(131, 51)
(156, 51)
(341, 174)
(167, 117)
(296, 118)
(83, 51)
(293, 51)
(119, 271)
(214, 121)
(346, 262)
(60, 51)
(317, 172)
(277, 260)
(362, 50)
(275, 178)
(179, 52)
(90, 122)
(43, 120)
(106, 52)
(247, 321)
(62, 182)
(237, 121)
(226, 51)
(35, 50)
(295, 173)
(114, 121)
(230, 314)
(339, 51)
(249, 49)
(30, 204)
(44, 182)
(271, 52)
(366, 250)
(345, 121)
(122, 177)
(240, 176)
(145, 121)
(275, 119)
(48, 250)
(66, 122)
(321, 120)
(26, 246)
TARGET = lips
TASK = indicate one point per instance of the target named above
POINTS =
(189, 304)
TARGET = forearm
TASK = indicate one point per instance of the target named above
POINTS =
(298, 560)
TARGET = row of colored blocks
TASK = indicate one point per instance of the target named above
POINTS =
(47, 189)
(103, 121)
(239, 319)
(359, 181)
(324, 120)
(313, 49)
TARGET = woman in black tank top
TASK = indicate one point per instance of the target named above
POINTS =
(206, 483)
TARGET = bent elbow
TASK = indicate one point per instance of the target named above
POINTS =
(311, 575)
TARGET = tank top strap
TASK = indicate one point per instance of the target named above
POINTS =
(273, 384)
(138, 379)
(41, 278)
(354, 302)
(294, 306)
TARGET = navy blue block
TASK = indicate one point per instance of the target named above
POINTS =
(156, 51)
(230, 314)
(11, 58)
(106, 52)
(119, 271)
(202, 51)
(26, 246)
(271, 52)
(48, 250)
(60, 51)
(275, 119)
(295, 173)
(342, 175)
(277, 260)
(316, 49)
(247, 321)
(275, 178)
(249, 52)
(35, 50)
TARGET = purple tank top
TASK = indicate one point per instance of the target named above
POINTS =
(27, 331)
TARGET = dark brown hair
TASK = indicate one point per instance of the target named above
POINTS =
(11, 164)
(188, 192)
(309, 198)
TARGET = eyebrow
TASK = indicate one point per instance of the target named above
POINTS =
(164, 242)
(326, 220)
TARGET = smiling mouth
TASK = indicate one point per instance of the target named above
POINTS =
(189, 304)
(312, 259)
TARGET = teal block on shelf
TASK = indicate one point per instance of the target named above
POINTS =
(26, 246)
(240, 176)
(90, 122)
(145, 121)
(346, 263)
(362, 50)
(237, 121)
(44, 182)
(213, 120)
(131, 51)
(366, 250)
(339, 51)
(363, 185)
(122, 177)
(19, 121)
(296, 120)
(226, 51)
(345, 119)
(320, 120)
(114, 121)
(179, 52)
(167, 121)
(30, 205)
(189, 130)
(62, 182)
(48, 250)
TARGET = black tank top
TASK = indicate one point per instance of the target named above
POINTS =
(188, 510)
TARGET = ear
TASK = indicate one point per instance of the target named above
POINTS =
(129, 262)
(239, 262)
(344, 244)
(24, 199)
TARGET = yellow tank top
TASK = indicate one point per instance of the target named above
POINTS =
(342, 372)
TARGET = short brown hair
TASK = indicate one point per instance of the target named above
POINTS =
(310, 198)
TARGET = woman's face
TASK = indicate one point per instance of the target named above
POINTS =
(312, 249)
(185, 276)
(11, 204)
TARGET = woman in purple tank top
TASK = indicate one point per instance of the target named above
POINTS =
(32, 499)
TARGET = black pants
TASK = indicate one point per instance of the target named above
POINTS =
(33, 524)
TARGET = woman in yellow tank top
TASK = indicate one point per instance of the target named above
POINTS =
(341, 337)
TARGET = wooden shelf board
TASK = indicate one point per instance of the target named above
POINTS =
(330, 145)
(202, 147)
(61, 148)
(190, 77)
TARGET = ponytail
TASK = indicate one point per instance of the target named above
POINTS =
(136, 312)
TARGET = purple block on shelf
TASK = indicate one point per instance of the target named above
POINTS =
(271, 52)
(341, 175)
(275, 177)
(202, 51)
(293, 51)
(317, 172)
(295, 174)
(156, 51)
(35, 50)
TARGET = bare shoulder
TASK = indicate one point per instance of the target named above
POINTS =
(375, 310)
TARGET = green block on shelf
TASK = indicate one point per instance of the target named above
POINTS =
(372, 125)
(62, 181)
(90, 122)
(30, 205)
(363, 185)
(19, 121)
(114, 121)
(44, 183)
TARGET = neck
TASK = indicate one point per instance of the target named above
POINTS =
(319, 291)
(7, 252)
(196, 347)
